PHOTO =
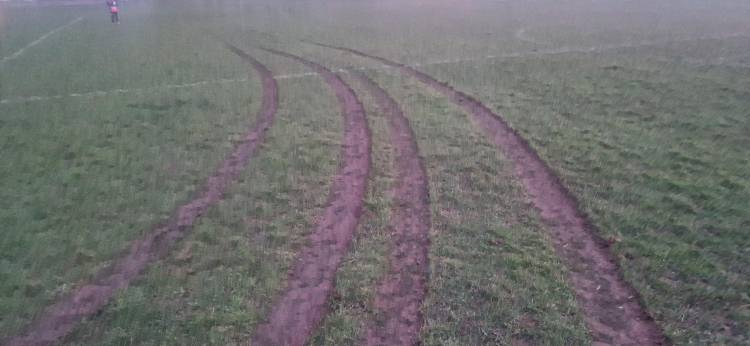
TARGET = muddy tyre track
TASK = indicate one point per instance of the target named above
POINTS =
(611, 307)
(300, 308)
(59, 319)
(401, 292)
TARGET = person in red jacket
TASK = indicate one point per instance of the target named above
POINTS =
(114, 11)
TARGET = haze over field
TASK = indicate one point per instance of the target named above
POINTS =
(336, 172)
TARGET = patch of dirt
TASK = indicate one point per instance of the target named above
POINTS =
(301, 307)
(611, 307)
(401, 292)
(185, 254)
(87, 299)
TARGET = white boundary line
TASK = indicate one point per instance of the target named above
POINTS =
(38, 41)
(594, 49)
(541, 52)
(99, 93)
(522, 36)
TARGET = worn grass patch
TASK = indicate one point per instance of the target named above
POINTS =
(357, 279)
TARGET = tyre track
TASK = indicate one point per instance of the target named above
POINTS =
(301, 306)
(401, 292)
(611, 307)
(61, 318)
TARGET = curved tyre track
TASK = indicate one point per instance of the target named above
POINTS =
(301, 307)
(611, 307)
(401, 292)
(59, 319)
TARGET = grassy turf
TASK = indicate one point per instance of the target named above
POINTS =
(82, 176)
(157, 47)
(222, 278)
(490, 283)
(654, 152)
(78, 183)
(650, 139)
(21, 26)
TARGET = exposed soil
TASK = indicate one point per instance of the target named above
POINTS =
(611, 307)
(86, 300)
(299, 310)
(401, 292)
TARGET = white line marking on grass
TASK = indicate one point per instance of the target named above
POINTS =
(38, 41)
(100, 93)
(522, 36)
(540, 52)
(295, 75)
(564, 50)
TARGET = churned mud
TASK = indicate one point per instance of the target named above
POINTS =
(302, 305)
(87, 299)
(400, 293)
(611, 307)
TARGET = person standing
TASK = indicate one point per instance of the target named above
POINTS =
(114, 11)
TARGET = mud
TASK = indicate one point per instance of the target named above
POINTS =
(400, 293)
(86, 300)
(300, 308)
(611, 307)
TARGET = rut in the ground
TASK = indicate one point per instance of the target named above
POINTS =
(60, 319)
(299, 310)
(611, 307)
(401, 292)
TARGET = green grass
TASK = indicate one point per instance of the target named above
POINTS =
(494, 276)
(83, 176)
(154, 49)
(652, 141)
(79, 183)
(21, 26)
(220, 281)
(489, 283)
(654, 153)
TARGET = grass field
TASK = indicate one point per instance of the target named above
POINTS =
(641, 109)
